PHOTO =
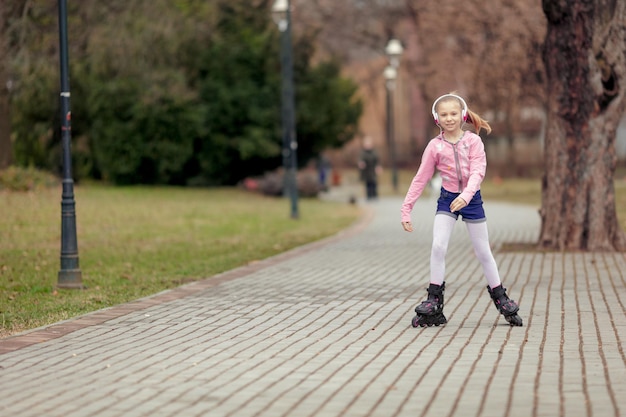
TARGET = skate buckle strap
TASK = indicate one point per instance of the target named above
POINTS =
(508, 307)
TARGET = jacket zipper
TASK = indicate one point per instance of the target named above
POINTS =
(458, 167)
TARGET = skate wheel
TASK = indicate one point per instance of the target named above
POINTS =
(514, 320)
(428, 321)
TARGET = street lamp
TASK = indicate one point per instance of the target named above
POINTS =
(281, 13)
(70, 275)
(394, 51)
(390, 75)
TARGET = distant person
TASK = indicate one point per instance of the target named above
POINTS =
(459, 157)
(323, 168)
(370, 168)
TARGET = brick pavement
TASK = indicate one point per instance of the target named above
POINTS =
(325, 331)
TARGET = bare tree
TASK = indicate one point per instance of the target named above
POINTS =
(585, 60)
(487, 50)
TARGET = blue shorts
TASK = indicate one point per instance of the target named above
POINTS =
(472, 213)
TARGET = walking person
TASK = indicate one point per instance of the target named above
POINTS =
(323, 168)
(459, 157)
(370, 168)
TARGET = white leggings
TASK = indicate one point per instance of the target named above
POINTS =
(442, 230)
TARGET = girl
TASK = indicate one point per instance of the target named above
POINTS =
(459, 157)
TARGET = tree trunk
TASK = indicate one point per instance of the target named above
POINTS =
(6, 148)
(585, 60)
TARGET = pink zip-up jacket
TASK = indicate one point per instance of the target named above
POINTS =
(461, 165)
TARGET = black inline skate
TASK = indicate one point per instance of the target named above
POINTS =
(507, 307)
(430, 311)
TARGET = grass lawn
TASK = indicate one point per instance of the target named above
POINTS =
(138, 241)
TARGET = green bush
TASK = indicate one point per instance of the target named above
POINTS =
(25, 179)
(139, 141)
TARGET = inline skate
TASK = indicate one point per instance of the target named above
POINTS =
(430, 312)
(507, 307)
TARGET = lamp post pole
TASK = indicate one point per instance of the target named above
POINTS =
(390, 80)
(394, 51)
(70, 275)
(282, 16)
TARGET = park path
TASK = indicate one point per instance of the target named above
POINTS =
(324, 331)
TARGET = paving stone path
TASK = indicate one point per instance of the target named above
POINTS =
(325, 331)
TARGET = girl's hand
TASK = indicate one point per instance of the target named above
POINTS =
(457, 204)
(408, 226)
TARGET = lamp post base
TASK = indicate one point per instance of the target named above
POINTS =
(70, 279)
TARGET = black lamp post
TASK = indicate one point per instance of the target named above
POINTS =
(394, 51)
(281, 13)
(70, 275)
(390, 83)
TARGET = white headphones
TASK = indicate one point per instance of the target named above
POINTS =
(463, 111)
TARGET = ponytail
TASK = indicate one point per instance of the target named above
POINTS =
(478, 122)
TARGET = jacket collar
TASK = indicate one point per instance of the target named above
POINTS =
(442, 137)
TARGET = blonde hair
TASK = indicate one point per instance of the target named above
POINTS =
(472, 118)
(478, 122)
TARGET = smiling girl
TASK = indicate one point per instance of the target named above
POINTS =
(459, 157)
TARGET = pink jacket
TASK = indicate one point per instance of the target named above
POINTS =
(462, 168)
